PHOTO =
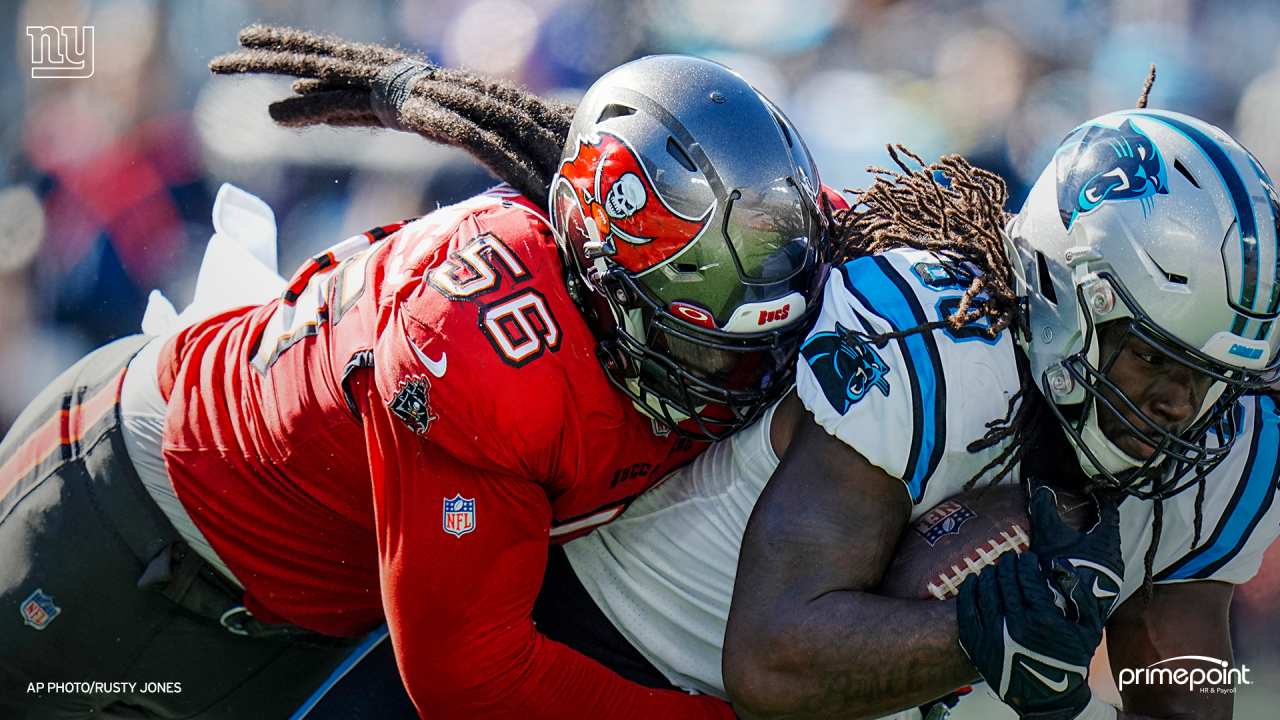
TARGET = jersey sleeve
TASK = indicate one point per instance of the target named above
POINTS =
(913, 404)
(883, 401)
(469, 338)
(462, 553)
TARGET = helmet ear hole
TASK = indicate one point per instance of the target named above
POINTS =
(613, 110)
(675, 150)
(1045, 281)
(1177, 165)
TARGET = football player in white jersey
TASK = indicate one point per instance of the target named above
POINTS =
(1147, 254)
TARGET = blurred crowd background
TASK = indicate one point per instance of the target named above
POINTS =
(107, 183)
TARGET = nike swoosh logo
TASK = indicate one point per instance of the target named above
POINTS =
(435, 367)
(1058, 686)
(1099, 592)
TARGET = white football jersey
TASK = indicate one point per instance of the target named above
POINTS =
(913, 406)
(663, 572)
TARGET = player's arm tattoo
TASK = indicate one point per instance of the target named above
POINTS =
(806, 637)
(1181, 619)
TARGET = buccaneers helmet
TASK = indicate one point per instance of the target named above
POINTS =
(687, 208)
(1164, 223)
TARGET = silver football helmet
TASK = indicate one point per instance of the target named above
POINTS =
(1166, 223)
(688, 212)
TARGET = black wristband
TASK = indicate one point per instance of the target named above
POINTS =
(390, 88)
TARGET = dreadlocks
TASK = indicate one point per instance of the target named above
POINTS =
(517, 135)
(956, 211)
(1146, 87)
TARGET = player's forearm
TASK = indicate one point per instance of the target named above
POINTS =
(543, 681)
(848, 655)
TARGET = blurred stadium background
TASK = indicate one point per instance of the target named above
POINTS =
(107, 182)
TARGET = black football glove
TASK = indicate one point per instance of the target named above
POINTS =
(1023, 645)
(1085, 567)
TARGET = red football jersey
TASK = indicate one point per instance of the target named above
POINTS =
(404, 432)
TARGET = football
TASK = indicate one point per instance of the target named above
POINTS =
(962, 535)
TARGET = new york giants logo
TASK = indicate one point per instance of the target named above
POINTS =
(65, 53)
(459, 515)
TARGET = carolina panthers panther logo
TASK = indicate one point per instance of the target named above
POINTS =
(1107, 164)
(846, 367)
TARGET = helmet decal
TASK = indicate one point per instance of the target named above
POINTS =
(616, 193)
(626, 198)
(1106, 164)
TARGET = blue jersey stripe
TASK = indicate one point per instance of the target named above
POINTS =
(912, 378)
(1230, 175)
(939, 415)
(1250, 502)
(879, 287)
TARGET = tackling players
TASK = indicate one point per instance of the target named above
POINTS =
(1148, 253)
(424, 408)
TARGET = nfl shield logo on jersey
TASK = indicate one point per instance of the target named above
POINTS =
(943, 520)
(38, 610)
(459, 515)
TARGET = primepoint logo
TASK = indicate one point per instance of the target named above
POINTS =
(1206, 680)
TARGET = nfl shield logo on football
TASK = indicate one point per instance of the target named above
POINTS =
(38, 610)
(459, 515)
(943, 520)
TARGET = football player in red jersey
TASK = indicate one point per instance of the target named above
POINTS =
(427, 405)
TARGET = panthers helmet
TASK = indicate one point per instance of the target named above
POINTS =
(687, 208)
(1164, 222)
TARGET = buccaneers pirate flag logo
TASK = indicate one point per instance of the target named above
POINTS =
(618, 198)
(412, 403)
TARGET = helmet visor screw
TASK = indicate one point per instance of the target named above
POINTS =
(1102, 299)
(1060, 381)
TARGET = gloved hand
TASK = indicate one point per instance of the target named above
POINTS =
(1085, 567)
(1029, 652)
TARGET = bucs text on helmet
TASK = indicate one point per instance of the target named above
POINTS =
(1167, 227)
(687, 208)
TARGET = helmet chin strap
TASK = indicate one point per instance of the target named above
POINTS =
(1113, 459)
